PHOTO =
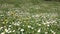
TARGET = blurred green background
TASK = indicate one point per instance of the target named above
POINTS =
(29, 17)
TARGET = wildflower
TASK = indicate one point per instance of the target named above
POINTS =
(16, 23)
(6, 30)
(29, 26)
(53, 32)
(9, 31)
(10, 25)
(32, 28)
(48, 22)
(22, 30)
(39, 30)
(46, 32)
(44, 23)
(48, 25)
(38, 24)
(23, 25)
(13, 30)
(1, 28)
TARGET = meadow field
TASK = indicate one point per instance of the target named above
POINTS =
(29, 17)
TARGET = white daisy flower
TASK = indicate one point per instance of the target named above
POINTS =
(39, 30)
(22, 30)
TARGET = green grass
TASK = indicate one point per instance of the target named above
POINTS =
(29, 17)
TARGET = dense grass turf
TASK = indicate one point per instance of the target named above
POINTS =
(29, 17)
